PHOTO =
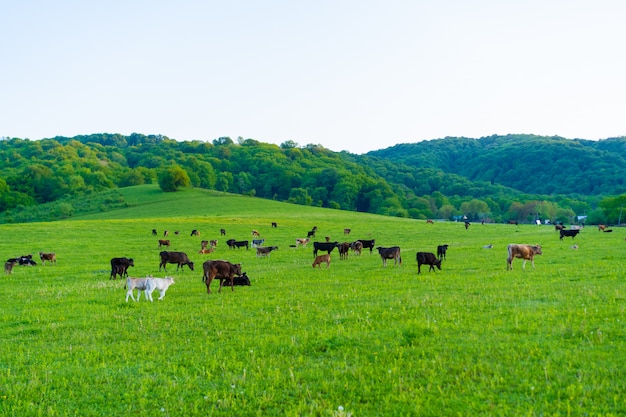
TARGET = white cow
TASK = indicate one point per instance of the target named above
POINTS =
(139, 284)
(161, 284)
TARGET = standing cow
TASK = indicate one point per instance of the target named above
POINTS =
(427, 258)
(223, 270)
(390, 253)
(525, 252)
(119, 266)
(179, 258)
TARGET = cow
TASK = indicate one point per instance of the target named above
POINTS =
(323, 246)
(265, 251)
(24, 260)
(194, 232)
(344, 248)
(390, 253)
(222, 232)
(274, 225)
(255, 233)
(164, 242)
(166, 233)
(204, 244)
(368, 244)
(205, 251)
(8, 266)
(119, 266)
(135, 283)
(525, 252)
(302, 241)
(321, 259)
(441, 251)
(558, 227)
(154, 232)
(601, 227)
(346, 231)
(161, 284)
(50, 257)
(427, 258)
(222, 270)
(311, 233)
(179, 258)
(232, 243)
(257, 242)
(357, 247)
(243, 280)
(429, 221)
(467, 225)
(568, 233)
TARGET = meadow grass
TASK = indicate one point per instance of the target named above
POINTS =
(356, 339)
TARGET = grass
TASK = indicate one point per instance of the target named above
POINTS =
(354, 340)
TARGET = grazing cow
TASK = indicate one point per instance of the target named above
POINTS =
(255, 233)
(346, 231)
(51, 257)
(179, 258)
(390, 253)
(257, 242)
(558, 227)
(8, 266)
(368, 244)
(232, 243)
(136, 283)
(222, 232)
(429, 221)
(243, 280)
(265, 251)
(205, 251)
(161, 284)
(24, 260)
(427, 258)
(568, 233)
(222, 270)
(601, 227)
(154, 232)
(302, 241)
(344, 248)
(274, 225)
(164, 242)
(525, 252)
(119, 266)
(357, 247)
(324, 246)
(194, 232)
(441, 251)
(321, 259)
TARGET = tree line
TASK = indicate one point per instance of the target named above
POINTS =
(43, 171)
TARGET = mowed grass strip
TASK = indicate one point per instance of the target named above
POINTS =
(354, 339)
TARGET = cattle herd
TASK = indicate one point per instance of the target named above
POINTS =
(231, 275)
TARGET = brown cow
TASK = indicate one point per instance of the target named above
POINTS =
(525, 252)
(164, 242)
(344, 248)
(205, 251)
(221, 270)
(390, 253)
(302, 241)
(321, 259)
(346, 231)
(8, 266)
(601, 227)
(51, 257)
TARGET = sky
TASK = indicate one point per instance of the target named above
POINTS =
(353, 75)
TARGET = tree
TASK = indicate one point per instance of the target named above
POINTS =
(173, 178)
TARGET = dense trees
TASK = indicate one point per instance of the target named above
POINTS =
(444, 179)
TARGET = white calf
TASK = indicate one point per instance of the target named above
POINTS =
(161, 284)
(139, 284)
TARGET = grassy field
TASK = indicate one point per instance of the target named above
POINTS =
(356, 339)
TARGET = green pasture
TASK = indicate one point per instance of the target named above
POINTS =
(356, 339)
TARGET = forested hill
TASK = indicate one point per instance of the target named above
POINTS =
(497, 178)
(531, 164)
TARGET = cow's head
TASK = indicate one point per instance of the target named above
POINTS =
(190, 265)
(438, 264)
(244, 279)
(237, 269)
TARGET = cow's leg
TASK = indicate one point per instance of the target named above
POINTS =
(524, 264)
(232, 282)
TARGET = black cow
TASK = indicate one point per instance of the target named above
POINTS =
(232, 243)
(368, 244)
(243, 280)
(427, 258)
(568, 233)
(24, 260)
(324, 246)
(119, 266)
(179, 258)
(390, 253)
(441, 251)
(222, 270)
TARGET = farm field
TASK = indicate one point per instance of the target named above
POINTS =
(355, 339)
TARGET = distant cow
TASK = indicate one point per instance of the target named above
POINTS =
(274, 225)
(525, 252)
(8, 266)
(568, 233)
(302, 241)
(255, 233)
(222, 232)
(24, 260)
(390, 253)
(368, 244)
(257, 242)
(164, 242)
(323, 246)
(344, 248)
(135, 283)
(154, 232)
(243, 280)
(558, 227)
(601, 227)
(205, 251)
(311, 233)
(265, 251)
(232, 243)
(51, 257)
(194, 232)
(357, 247)
(441, 251)
(222, 270)
(161, 284)
(319, 260)
(179, 258)
(467, 225)
(427, 258)
(429, 221)
(119, 266)
(346, 231)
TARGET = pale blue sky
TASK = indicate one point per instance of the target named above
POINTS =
(349, 75)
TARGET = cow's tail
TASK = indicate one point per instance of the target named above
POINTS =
(509, 258)
(400, 259)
